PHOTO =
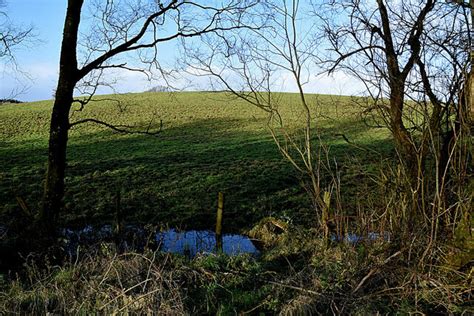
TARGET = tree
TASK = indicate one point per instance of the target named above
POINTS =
(250, 64)
(412, 57)
(469, 75)
(121, 27)
(12, 37)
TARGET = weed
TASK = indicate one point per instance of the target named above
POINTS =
(209, 144)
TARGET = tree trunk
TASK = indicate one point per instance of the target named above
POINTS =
(468, 109)
(403, 140)
(396, 82)
(58, 134)
(407, 151)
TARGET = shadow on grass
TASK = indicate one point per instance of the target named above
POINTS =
(172, 179)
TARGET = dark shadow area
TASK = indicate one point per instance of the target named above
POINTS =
(173, 179)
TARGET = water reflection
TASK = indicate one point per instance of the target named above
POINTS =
(188, 243)
(352, 238)
(193, 242)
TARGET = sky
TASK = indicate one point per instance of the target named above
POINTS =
(36, 74)
(39, 59)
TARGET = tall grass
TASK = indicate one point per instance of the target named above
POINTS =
(380, 246)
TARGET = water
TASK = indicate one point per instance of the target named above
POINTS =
(189, 243)
(192, 242)
(352, 238)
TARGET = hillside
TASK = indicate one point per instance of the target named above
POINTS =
(209, 142)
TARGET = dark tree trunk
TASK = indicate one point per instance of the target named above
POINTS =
(406, 149)
(468, 92)
(396, 82)
(404, 143)
(58, 135)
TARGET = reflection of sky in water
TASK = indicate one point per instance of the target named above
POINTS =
(354, 238)
(188, 243)
(192, 242)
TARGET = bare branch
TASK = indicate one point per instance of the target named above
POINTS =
(121, 128)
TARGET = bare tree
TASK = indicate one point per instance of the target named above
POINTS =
(10, 35)
(120, 28)
(254, 65)
(411, 55)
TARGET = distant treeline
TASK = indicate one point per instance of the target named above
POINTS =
(159, 89)
(3, 101)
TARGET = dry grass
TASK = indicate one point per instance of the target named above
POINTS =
(421, 262)
(100, 282)
(372, 279)
(299, 274)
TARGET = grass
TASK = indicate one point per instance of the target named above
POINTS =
(299, 276)
(210, 142)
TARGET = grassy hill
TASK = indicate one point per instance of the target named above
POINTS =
(210, 142)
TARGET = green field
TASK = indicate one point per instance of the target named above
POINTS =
(210, 142)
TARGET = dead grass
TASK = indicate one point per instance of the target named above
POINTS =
(103, 283)
(299, 274)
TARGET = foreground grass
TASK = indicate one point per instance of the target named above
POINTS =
(213, 143)
(299, 275)
(210, 142)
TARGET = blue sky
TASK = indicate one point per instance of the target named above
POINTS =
(39, 59)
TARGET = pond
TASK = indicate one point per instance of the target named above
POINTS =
(188, 243)
(193, 242)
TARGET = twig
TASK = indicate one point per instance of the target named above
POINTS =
(250, 311)
(149, 271)
(108, 270)
(119, 128)
(24, 207)
(139, 298)
(355, 145)
(294, 287)
(125, 292)
(373, 270)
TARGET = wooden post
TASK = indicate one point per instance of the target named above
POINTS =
(118, 229)
(325, 215)
(220, 209)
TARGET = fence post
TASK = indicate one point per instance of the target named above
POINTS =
(220, 209)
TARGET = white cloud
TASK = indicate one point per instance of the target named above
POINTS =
(338, 83)
(43, 71)
(44, 79)
(28, 82)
